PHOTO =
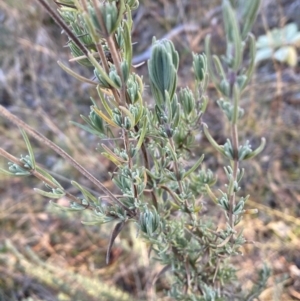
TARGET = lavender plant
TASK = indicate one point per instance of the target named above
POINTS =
(157, 190)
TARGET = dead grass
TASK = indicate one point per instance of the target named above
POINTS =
(38, 243)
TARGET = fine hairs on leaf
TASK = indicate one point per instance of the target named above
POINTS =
(154, 188)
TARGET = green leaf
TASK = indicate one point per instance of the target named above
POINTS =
(104, 102)
(29, 148)
(142, 135)
(49, 177)
(196, 165)
(233, 35)
(251, 66)
(87, 195)
(74, 74)
(219, 67)
(128, 43)
(104, 117)
(87, 129)
(212, 141)
(52, 195)
(101, 71)
(162, 67)
(249, 12)
(127, 113)
(6, 172)
(258, 150)
(210, 64)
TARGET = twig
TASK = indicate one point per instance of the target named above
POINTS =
(63, 25)
(15, 120)
(34, 172)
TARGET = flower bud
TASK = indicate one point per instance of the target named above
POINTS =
(113, 75)
(102, 82)
(162, 67)
(149, 221)
(187, 100)
(96, 121)
(132, 90)
(125, 71)
(200, 66)
(110, 15)
(117, 117)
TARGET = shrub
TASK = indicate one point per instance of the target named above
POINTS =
(157, 190)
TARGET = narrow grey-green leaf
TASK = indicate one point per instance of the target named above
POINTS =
(29, 148)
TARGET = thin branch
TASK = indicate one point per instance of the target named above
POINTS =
(98, 45)
(171, 192)
(179, 181)
(15, 120)
(59, 21)
(235, 145)
(116, 60)
(147, 165)
(34, 172)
